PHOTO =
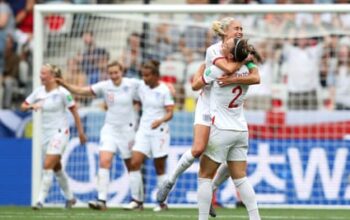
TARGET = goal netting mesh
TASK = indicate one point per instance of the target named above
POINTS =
(298, 116)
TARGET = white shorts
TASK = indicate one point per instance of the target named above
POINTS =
(55, 141)
(227, 145)
(202, 113)
(117, 139)
(153, 144)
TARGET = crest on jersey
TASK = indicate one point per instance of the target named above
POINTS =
(207, 72)
(125, 88)
(69, 98)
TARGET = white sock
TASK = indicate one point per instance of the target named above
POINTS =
(161, 179)
(63, 182)
(45, 185)
(185, 162)
(204, 198)
(222, 174)
(136, 185)
(102, 185)
(247, 193)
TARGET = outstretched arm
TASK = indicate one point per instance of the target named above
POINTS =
(86, 91)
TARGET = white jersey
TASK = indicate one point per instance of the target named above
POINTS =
(53, 106)
(226, 103)
(119, 100)
(202, 114)
(213, 53)
(154, 101)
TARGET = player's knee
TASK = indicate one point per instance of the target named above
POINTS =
(105, 163)
(198, 149)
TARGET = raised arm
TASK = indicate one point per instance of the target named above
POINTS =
(85, 91)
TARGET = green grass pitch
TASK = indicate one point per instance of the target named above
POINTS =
(26, 213)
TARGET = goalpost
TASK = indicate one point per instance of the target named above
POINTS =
(296, 157)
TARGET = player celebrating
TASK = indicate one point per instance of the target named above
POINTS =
(226, 28)
(152, 138)
(53, 100)
(228, 140)
(118, 131)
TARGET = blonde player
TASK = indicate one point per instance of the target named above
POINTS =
(152, 138)
(118, 131)
(228, 140)
(53, 100)
(226, 28)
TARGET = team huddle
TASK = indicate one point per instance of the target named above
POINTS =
(220, 138)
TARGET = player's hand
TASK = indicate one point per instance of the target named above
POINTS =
(82, 138)
(35, 106)
(225, 80)
(156, 124)
(59, 81)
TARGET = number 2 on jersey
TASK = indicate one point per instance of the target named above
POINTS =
(237, 91)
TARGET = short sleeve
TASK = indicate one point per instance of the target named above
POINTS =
(168, 98)
(98, 88)
(68, 98)
(31, 98)
(211, 73)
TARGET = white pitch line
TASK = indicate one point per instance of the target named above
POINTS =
(14, 215)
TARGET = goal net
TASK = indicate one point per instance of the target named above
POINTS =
(298, 116)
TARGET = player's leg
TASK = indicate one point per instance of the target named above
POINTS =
(105, 158)
(136, 184)
(63, 183)
(237, 163)
(46, 180)
(200, 140)
(159, 164)
(207, 171)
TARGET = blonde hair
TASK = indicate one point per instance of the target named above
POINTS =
(220, 26)
(55, 70)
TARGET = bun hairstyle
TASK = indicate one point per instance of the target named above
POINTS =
(220, 26)
(153, 65)
(55, 70)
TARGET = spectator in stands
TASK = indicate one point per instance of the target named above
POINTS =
(302, 69)
(11, 71)
(165, 39)
(24, 23)
(7, 26)
(152, 138)
(340, 80)
(53, 101)
(195, 39)
(132, 56)
(90, 58)
(118, 131)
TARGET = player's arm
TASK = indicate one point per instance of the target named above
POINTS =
(168, 115)
(226, 66)
(252, 78)
(25, 106)
(198, 82)
(78, 123)
(85, 91)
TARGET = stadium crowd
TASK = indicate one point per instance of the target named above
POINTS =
(321, 40)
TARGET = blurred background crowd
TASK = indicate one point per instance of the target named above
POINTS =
(304, 61)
